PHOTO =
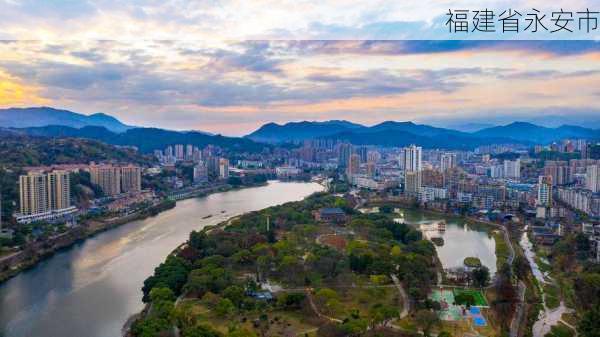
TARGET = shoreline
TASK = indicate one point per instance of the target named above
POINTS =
(34, 253)
(37, 252)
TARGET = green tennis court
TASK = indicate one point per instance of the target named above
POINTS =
(477, 295)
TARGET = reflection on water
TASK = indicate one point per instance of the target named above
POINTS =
(90, 289)
(460, 240)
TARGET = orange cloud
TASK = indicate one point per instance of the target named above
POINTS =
(15, 93)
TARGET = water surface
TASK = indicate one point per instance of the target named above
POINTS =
(460, 239)
(90, 289)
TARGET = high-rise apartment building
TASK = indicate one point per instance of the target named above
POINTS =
(592, 178)
(353, 165)
(512, 169)
(33, 189)
(223, 168)
(559, 170)
(115, 180)
(200, 173)
(411, 159)
(44, 192)
(448, 161)
(344, 153)
(179, 154)
(189, 152)
(371, 169)
(108, 177)
(373, 156)
(544, 195)
(362, 151)
(131, 179)
(59, 190)
(412, 182)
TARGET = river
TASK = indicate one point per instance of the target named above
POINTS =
(90, 289)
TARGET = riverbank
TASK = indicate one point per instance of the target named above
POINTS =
(14, 263)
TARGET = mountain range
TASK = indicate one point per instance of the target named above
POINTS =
(44, 116)
(50, 122)
(403, 133)
(145, 139)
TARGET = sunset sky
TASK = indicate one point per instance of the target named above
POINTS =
(185, 73)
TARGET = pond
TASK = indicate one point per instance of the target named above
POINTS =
(461, 240)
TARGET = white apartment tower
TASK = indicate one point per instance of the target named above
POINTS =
(448, 161)
(544, 195)
(59, 190)
(43, 192)
(592, 178)
(33, 189)
(411, 158)
(512, 169)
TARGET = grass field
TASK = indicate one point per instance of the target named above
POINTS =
(480, 300)
(552, 296)
(502, 250)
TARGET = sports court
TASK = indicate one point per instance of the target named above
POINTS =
(478, 319)
(449, 311)
(480, 300)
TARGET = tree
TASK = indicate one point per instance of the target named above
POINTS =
(387, 209)
(291, 300)
(382, 314)
(587, 289)
(426, 320)
(506, 296)
(589, 325)
(521, 267)
(582, 246)
(480, 276)
(224, 308)
(172, 273)
(162, 294)
(235, 294)
(184, 315)
(464, 299)
(354, 325)
(150, 327)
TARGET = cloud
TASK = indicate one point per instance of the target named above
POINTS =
(182, 84)
(243, 20)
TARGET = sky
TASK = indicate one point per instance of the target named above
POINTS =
(230, 66)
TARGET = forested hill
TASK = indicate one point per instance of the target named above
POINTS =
(146, 139)
(18, 150)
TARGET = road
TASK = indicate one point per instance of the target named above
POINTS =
(405, 300)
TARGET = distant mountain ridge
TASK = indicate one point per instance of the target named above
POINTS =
(46, 121)
(391, 133)
(523, 131)
(44, 116)
(145, 139)
(298, 131)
